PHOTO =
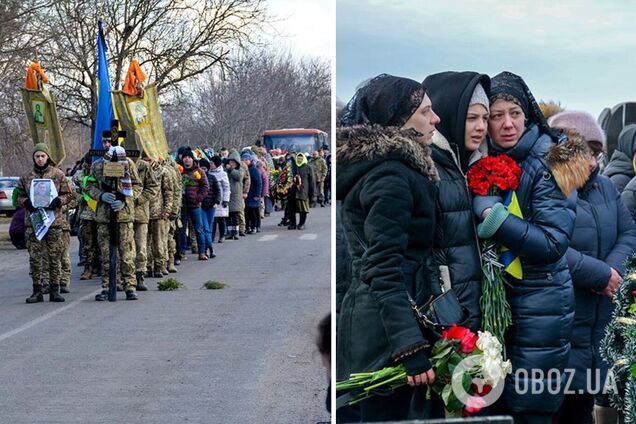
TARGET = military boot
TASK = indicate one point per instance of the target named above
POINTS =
(37, 295)
(54, 294)
(171, 267)
(140, 281)
(157, 272)
(164, 270)
(88, 272)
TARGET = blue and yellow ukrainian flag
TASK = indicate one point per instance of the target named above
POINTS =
(510, 260)
(104, 115)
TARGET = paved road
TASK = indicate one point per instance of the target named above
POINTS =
(244, 354)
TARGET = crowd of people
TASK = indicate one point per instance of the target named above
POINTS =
(407, 217)
(157, 210)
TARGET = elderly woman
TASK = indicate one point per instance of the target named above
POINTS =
(604, 236)
(386, 182)
(542, 303)
(461, 101)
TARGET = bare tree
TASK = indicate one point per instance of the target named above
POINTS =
(173, 40)
(268, 90)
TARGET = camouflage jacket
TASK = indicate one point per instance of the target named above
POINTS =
(146, 201)
(163, 201)
(176, 186)
(320, 168)
(97, 188)
(83, 211)
(61, 185)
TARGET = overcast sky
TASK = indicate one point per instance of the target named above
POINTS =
(304, 26)
(581, 53)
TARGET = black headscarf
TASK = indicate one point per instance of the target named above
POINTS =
(450, 94)
(511, 87)
(385, 100)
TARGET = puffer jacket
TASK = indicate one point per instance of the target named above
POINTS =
(224, 184)
(149, 192)
(98, 187)
(385, 183)
(61, 185)
(214, 192)
(620, 169)
(604, 236)
(629, 197)
(196, 186)
(542, 304)
(256, 187)
(457, 245)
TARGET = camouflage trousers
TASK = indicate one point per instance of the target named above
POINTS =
(141, 242)
(66, 259)
(171, 243)
(44, 256)
(320, 190)
(126, 250)
(88, 234)
(156, 244)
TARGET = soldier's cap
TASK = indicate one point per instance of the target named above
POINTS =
(106, 134)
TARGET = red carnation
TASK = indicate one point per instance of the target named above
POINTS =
(468, 343)
(455, 332)
(493, 174)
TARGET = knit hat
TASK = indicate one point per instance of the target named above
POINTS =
(479, 97)
(187, 152)
(247, 155)
(204, 163)
(217, 161)
(126, 182)
(41, 147)
(582, 122)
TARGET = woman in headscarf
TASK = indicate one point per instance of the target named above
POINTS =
(386, 183)
(461, 101)
(542, 303)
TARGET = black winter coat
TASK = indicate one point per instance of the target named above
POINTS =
(604, 236)
(214, 193)
(620, 169)
(388, 216)
(456, 244)
(306, 191)
(542, 303)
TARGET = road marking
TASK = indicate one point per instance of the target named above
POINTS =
(310, 236)
(47, 316)
(268, 237)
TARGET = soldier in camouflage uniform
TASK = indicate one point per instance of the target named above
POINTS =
(170, 241)
(65, 283)
(88, 225)
(160, 209)
(319, 166)
(143, 205)
(47, 251)
(121, 199)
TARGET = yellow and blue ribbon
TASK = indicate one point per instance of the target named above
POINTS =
(509, 259)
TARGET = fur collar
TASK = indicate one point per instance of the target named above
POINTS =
(373, 142)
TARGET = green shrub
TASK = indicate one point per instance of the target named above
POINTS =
(214, 285)
(168, 284)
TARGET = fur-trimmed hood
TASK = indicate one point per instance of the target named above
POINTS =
(360, 148)
(372, 142)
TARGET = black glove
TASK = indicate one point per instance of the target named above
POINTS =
(55, 203)
(29, 206)
(224, 204)
(416, 363)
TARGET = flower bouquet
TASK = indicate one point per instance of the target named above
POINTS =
(468, 371)
(497, 176)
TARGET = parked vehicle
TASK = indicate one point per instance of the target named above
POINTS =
(299, 140)
(7, 184)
